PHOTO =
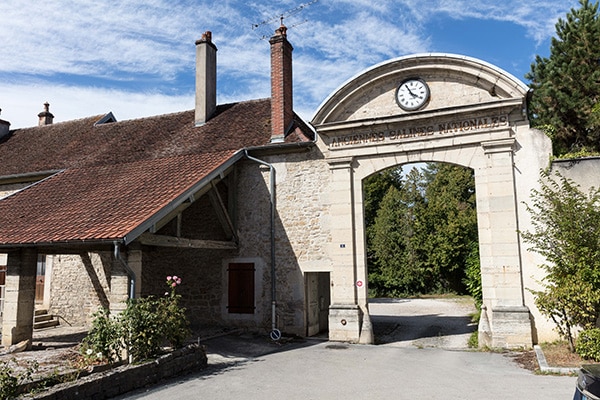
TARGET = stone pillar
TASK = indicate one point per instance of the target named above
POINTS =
(19, 302)
(345, 316)
(119, 288)
(134, 260)
(506, 316)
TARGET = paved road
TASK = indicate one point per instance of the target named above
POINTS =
(406, 366)
(323, 370)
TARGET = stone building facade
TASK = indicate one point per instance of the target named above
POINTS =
(267, 228)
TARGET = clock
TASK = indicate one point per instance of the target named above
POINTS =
(412, 94)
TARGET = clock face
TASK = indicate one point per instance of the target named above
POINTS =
(412, 94)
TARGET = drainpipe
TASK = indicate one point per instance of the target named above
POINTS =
(130, 272)
(275, 333)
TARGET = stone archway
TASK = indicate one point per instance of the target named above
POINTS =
(475, 116)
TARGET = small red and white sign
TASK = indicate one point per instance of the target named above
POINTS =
(359, 283)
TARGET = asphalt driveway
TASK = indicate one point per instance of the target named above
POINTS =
(415, 361)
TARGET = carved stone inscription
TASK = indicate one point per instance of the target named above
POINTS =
(391, 135)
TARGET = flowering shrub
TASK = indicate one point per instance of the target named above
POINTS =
(146, 324)
(172, 282)
(103, 342)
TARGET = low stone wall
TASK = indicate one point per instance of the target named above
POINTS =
(126, 378)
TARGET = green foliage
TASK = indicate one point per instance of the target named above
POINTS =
(588, 344)
(567, 84)
(151, 322)
(10, 380)
(566, 231)
(473, 342)
(472, 279)
(103, 341)
(450, 223)
(424, 233)
(142, 329)
(376, 187)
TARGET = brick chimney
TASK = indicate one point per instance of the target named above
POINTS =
(206, 78)
(4, 127)
(282, 109)
(46, 117)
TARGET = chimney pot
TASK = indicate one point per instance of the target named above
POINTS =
(46, 117)
(206, 79)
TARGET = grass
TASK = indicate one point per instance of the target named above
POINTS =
(558, 355)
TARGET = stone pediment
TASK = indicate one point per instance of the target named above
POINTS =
(457, 84)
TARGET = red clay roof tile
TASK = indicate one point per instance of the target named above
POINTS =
(104, 202)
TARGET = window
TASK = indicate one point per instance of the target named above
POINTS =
(241, 288)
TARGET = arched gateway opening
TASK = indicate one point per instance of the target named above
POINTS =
(435, 108)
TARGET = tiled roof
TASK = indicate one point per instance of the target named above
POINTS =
(100, 203)
(80, 143)
(118, 175)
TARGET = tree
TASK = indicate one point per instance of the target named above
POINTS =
(566, 231)
(566, 85)
(375, 187)
(424, 236)
(450, 223)
(398, 268)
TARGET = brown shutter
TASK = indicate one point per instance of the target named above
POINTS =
(241, 288)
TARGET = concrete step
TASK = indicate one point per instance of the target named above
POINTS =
(42, 317)
(43, 320)
(46, 324)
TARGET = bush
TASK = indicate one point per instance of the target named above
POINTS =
(142, 329)
(566, 232)
(588, 344)
(10, 381)
(103, 341)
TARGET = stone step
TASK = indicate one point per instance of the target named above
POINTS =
(46, 324)
(42, 317)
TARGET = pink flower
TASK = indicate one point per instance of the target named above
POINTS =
(173, 284)
(168, 278)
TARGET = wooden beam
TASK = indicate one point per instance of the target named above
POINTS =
(150, 239)
(221, 211)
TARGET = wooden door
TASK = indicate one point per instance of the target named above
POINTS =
(40, 279)
(241, 288)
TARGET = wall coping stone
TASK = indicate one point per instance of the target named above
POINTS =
(106, 384)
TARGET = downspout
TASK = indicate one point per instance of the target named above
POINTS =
(275, 333)
(132, 278)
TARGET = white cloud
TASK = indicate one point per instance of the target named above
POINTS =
(68, 102)
(150, 44)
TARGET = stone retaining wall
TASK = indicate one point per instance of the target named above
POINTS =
(126, 378)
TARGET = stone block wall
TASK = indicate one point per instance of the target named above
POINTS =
(301, 228)
(80, 285)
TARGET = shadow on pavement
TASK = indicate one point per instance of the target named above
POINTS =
(390, 329)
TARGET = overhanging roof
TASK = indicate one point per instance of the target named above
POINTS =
(106, 203)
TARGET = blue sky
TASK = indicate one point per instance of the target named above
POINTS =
(136, 57)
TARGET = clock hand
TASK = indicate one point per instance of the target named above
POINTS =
(411, 93)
